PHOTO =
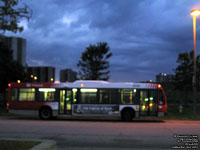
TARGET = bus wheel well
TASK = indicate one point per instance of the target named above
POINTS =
(127, 114)
(45, 112)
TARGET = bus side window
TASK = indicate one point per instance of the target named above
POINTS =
(47, 94)
(161, 98)
(128, 96)
(14, 92)
(88, 96)
(26, 94)
(144, 97)
(108, 96)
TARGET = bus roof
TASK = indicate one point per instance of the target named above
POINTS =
(106, 84)
(89, 84)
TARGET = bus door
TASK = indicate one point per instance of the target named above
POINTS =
(148, 102)
(65, 106)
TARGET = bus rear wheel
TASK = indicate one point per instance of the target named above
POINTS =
(127, 115)
(45, 113)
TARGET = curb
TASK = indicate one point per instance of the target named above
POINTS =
(44, 145)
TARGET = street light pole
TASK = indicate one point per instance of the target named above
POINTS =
(194, 13)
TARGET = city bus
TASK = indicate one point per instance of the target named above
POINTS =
(87, 98)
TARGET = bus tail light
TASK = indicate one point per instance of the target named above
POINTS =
(9, 84)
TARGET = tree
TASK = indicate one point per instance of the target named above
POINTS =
(10, 15)
(185, 70)
(94, 64)
(10, 70)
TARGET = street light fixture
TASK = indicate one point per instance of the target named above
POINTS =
(194, 13)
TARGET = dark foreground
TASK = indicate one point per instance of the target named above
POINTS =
(100, 134)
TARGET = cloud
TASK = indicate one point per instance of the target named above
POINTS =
(144, 36)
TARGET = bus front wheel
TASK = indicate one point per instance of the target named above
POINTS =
(127, 115)
(45, 113)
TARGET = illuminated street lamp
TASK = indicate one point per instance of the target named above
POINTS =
(51, 79)
(194, 13)
(18, 81)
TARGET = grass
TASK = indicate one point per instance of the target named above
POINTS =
(17, 145)
(187, 113)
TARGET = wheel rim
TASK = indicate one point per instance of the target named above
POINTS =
(45, 113)
(127, 116)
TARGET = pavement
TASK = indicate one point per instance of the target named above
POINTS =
(88, 134)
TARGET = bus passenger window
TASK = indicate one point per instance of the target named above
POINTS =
(14, 94)
(89, 96)
(26, 94)
(144, 100)
(47, 94)
(108, 96)
(128, 96)
(74, 91)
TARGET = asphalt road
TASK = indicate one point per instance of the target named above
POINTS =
(100, 134)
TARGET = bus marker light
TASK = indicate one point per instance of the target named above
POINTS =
(159, 86)
(9, 85)
(82, 85)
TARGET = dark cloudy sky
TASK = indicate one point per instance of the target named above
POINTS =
(145, 36)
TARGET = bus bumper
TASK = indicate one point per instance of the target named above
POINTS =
(160, 114)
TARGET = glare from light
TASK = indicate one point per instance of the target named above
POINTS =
(74, 90)
(195, 12)
(18, 81)
(47, 89)
(9, 85)
(88, 90)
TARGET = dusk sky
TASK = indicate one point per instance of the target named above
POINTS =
(145, 36)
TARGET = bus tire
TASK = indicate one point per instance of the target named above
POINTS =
(127, 114)
(45, 113)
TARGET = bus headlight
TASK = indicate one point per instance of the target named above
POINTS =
(7, 106)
